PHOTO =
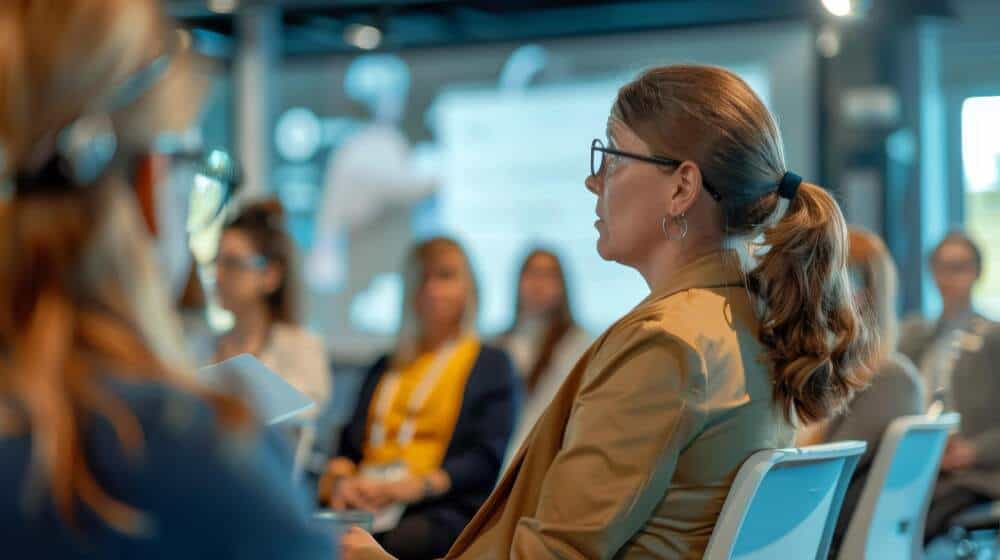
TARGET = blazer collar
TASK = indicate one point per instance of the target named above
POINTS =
(718, 269)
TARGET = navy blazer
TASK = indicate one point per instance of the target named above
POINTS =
(475, 454)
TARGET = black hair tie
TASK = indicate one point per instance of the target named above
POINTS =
(51, 178)
(789, 185)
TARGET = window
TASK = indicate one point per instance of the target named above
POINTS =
(981, 165)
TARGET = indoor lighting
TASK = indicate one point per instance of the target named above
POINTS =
(828, 41)
(839, 8)
(365, 37)
(222, 6)
(299, 134)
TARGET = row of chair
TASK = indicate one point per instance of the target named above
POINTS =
(784, 503)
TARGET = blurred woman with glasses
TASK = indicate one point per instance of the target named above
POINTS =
(256, 280)
(957, 356)
(108, 449)
(957, 265)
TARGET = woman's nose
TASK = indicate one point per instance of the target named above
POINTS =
(593, 183)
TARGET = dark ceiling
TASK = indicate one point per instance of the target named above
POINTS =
(317, 26)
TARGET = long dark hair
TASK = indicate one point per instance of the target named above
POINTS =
(560, 322)
(264, 223)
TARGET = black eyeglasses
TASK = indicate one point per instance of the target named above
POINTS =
(598, 152)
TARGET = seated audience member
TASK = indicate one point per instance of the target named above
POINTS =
(256, 281)
(750, 324)
(106, 450)
(896, 388)
(544, 341)
(957, 264)
(957, 356)
(434, 418)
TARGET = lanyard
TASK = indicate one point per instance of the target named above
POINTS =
(389, 388)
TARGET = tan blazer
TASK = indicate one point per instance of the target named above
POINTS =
(636, 453)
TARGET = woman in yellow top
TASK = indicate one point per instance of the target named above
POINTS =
(434, 419)
(750, 324)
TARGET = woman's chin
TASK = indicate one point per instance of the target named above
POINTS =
(603, 249)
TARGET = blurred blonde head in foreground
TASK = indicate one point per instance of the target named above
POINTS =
(82, 299)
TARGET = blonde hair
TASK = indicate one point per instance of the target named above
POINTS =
(816, 344)
(81, 296)
(870, 257)
(408, 341)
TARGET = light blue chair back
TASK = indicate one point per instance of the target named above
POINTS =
(784, 503)
(888, 523)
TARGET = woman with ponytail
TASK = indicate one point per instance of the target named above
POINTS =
(107, 448)
(750, 328)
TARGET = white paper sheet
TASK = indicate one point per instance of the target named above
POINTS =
(274, 399)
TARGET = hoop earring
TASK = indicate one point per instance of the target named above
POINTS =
(681, 222)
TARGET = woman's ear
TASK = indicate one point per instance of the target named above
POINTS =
(686, 188)
(272, 278)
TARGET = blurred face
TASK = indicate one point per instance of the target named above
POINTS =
(441, 298)
(243, 276)
(632, 199)
(541, 286)
(954, 268)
